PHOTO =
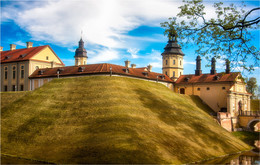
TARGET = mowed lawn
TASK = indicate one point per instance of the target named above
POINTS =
(101, 119)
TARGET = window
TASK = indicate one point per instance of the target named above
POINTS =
(208, 88)
(180, 62)
(198, 89)
(47, 57)
(13, 87)
(223, 88)
(21, 87)
(5, 87)
(14, 70)
(180, 73)
(5, 73)
(37, 67)
(166, 62)
(173, 73)
(22, 71)
(166, 73)
(173, 62)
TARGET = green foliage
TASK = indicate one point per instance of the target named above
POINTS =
(247, 137)
(225, 37)
(255, 105)
(101, 119)
(251, 86)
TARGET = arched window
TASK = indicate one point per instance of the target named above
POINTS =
(166, 73)
(180, 73)
(180, 62)
(166, 62)
(173, 73)
(173, 62)
(182, 91)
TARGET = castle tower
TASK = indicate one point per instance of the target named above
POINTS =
(172, 60)
(81, 54)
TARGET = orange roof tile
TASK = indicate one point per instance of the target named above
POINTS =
(22, 54)
(207, 78)
(98, 69)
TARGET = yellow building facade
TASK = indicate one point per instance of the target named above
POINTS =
(18, 64)
(222, 92)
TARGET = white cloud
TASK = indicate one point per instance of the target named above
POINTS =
(133, 52)
(103, 55)
(189, 62)
(156, 64)
(104, 22)
(20, 43)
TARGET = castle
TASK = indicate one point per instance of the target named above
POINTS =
(29, 68)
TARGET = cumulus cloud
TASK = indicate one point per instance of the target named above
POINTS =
(103, 55)
(104, 22)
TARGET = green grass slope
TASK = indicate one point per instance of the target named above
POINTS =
(111, 120)
(10, 97)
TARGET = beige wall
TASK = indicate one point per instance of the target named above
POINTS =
(46, 55)
(215, 97)
(80, 61)
(220, 95)
(172, 66)
(18, 80)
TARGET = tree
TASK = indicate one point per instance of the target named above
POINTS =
(227, 36)
(251, 86)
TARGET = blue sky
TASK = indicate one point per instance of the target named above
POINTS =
(113, 30)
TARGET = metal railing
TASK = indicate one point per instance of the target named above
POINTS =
(249, 113)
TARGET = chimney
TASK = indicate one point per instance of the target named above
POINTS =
(29, 44)
(198, 66)
(127, 63)
(213, 66)
(1, 48)
(149, 67)
(133, 65)
(227, 66)
(12, 46)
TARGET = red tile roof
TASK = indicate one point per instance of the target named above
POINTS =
(22, 54)
(208, 78)
(98, 69)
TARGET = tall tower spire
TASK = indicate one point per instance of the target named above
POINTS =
(172, 59)
(81, 53)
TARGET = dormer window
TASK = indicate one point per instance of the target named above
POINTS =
(216, 77)
(162, 77)
(186, 79)
(40, 72)
(60, 69)
(81, 69)
(22, 56)
(126, 70)
(7, 57)
(145, 74)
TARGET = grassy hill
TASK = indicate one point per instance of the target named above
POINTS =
(111, 120)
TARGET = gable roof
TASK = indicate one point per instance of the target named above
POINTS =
(208, 78)
(23, 54)
(92, 69)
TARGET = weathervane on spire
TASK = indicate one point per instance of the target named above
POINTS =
(81, 33)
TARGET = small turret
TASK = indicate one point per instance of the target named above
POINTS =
(81, 54)
(198, 66)
(227, 66)
(213, 66)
